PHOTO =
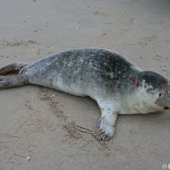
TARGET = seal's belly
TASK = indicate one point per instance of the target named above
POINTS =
(69, 84)
(65, 80)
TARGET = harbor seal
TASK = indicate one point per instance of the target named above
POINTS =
(116, 84)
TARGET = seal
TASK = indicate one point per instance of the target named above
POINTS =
(116, 84)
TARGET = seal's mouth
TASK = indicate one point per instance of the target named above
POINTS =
(166, 108)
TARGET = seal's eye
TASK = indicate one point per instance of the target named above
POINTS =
(161, 93)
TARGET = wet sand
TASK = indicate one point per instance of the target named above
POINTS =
(43, 129)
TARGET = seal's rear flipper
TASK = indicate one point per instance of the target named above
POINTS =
(13, 68)
(12, 81)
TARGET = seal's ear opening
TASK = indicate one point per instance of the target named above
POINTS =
(134, 80)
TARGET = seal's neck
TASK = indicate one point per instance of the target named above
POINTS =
(139, 102)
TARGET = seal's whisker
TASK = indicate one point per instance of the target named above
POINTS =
(162, 116)
(159, 116)
(166, 116)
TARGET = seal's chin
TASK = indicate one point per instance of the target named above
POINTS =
(166, 108)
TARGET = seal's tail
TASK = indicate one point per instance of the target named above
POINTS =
(9, 76)
(12, 81)
(13, 68)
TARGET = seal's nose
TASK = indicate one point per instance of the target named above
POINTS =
(166, 108)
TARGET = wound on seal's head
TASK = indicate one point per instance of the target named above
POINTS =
(134, 80)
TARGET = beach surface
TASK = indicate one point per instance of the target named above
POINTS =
(43, 129)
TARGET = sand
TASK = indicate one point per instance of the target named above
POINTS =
(43, 129)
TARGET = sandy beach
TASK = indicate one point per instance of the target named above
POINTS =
(43, 129)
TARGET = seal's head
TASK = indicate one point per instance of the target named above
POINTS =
(164, 98)
(157, 87)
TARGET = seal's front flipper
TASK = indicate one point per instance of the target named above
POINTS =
(106, 123)
(12, 81)
(13, 68)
